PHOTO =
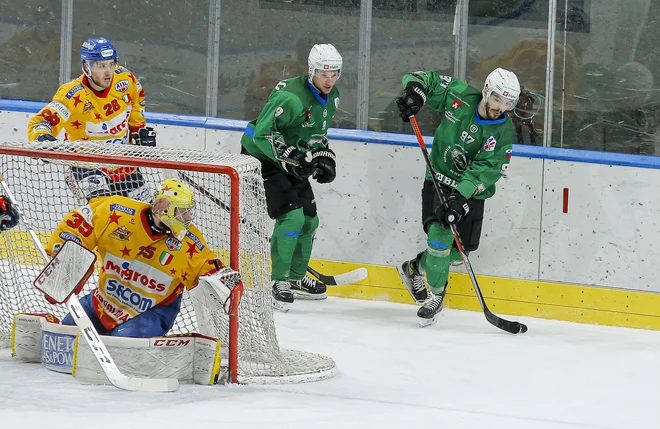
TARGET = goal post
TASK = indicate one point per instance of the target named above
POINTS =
(230, 211)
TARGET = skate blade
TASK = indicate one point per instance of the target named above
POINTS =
(423, 323)
(280, 306)
(408, 286)
(308, 296)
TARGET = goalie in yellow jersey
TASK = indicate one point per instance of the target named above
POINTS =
(150, 254)
(105, 104)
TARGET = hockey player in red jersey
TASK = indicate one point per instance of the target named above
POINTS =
(105, 104)
(149, 254)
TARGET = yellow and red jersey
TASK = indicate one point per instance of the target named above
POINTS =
(86, 114)
(140, 269)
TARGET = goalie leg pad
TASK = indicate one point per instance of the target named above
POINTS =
(188, 358)
(26, 332)
(40, 338)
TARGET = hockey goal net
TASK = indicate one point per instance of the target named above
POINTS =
(230, 211)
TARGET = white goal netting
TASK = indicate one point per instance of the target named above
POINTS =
(38, 181)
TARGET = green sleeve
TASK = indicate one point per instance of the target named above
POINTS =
(436, 87)
(281, 109)
(487, 166)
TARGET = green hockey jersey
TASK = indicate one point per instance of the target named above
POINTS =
(296, 114)
(469, 153)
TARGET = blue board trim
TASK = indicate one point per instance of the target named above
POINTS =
(550, 153)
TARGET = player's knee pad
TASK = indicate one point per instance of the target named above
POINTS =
(436, 259)
(311, 225)
(438, 241)
(290, 223)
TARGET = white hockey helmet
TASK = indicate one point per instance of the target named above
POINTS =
(324, 57)
(505, 84)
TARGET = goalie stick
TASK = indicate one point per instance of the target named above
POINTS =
(505, 325)
(87, 329)
(353, 276)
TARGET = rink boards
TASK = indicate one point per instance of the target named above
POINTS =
(569, 235)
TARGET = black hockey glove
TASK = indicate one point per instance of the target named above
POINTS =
(324, 164)
(294, 162)
(412, 99)
(46, 138)
(144, 137)
(454, 212)
(8, 214)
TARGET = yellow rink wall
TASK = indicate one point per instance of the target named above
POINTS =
(557, 301)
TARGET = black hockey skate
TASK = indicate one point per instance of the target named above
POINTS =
(414, 280)
(282, 296)
(428, 312)
(308, 288)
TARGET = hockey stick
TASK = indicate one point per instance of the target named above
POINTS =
(353, 276)
(505, 325)
(88, 331)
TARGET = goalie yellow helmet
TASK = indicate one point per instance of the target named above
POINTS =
(173, 205)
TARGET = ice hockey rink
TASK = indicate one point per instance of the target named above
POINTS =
(460, 373)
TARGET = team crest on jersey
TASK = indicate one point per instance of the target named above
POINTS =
(122, 85)
(490, 144)
(474, 128)
(173, 244)
(88, 106)
(121, 233)
(459, 160)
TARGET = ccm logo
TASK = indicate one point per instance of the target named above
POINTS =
(171, 343)
(47, 272)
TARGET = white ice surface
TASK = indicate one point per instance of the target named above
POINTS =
(459, 373)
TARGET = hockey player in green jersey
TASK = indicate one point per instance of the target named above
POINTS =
(290, 139)
(471, 151)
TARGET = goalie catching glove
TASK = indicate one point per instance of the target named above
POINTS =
(220, 285)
